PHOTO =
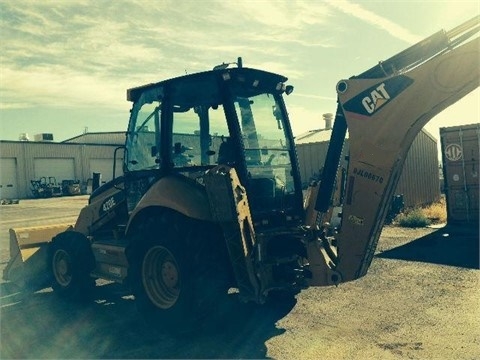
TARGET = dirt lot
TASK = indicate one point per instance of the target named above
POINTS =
(420, 300)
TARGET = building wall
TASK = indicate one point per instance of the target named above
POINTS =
(33, 159)
(311, 158)
(419, 183)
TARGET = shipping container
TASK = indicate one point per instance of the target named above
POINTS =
(460, 156)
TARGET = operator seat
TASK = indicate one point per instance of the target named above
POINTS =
(226, 154)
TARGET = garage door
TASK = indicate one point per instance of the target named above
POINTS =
(105, 167)
(60, 169)
(8, 178)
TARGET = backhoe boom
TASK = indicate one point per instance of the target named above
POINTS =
(383, 116)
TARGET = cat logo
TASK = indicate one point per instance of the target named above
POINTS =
(378, 97)
(371, 100)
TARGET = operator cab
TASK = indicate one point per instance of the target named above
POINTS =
(234, 117)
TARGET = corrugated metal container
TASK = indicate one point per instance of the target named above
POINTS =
(460, 155)
(419, 182)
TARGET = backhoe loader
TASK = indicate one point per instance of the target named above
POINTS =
(210, 200)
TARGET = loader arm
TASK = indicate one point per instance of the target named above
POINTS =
(384, 109)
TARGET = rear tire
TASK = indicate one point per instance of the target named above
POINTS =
(178, 272)
(71, 262)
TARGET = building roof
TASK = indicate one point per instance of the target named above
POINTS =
(314, 136)
(103, 138)
(321, 135)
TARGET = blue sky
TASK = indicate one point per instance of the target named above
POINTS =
(65, 65)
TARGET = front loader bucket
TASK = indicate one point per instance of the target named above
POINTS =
(28, 254)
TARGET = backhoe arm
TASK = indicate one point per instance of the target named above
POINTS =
(383, 116)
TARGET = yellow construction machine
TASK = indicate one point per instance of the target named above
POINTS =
(211, 198)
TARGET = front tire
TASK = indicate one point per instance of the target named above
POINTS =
(71, 262)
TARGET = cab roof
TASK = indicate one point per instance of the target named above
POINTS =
(254, 77)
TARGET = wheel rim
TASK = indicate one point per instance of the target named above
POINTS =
(161, 277)
(61, 267)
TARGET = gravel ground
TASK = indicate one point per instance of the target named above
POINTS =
(420, 300)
